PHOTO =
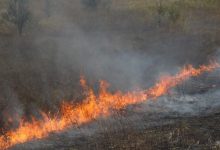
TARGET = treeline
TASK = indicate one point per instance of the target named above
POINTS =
(19, 13)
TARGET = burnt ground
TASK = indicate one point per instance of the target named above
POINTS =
(202, 133)
(186, 133)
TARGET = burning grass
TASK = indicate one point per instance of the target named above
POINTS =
(95, 106)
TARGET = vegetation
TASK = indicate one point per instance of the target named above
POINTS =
(183, 134)
(18, 14)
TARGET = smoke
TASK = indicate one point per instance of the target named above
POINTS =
(109, 56)
(103, 56)
(127, 61)
(11, 108)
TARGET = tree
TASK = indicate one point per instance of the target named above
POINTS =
(18, 14)
(160, 11)
(48, 8)
(169, 12)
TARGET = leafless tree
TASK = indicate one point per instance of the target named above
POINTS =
(17, 14)
(48, 7)
(160, 11)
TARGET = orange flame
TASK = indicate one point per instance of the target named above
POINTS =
(95, 106)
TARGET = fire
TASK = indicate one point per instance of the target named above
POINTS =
(95, 106)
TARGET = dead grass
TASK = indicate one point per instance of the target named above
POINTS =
(193, 133)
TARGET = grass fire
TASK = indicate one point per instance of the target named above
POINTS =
(95, 106)
(109, 74)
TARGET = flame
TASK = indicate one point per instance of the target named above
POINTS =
(95, 106)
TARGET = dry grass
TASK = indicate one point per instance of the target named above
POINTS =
(193, 133)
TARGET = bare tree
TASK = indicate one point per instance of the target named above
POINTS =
(160, 11)
(48, 8)
(18, 14)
